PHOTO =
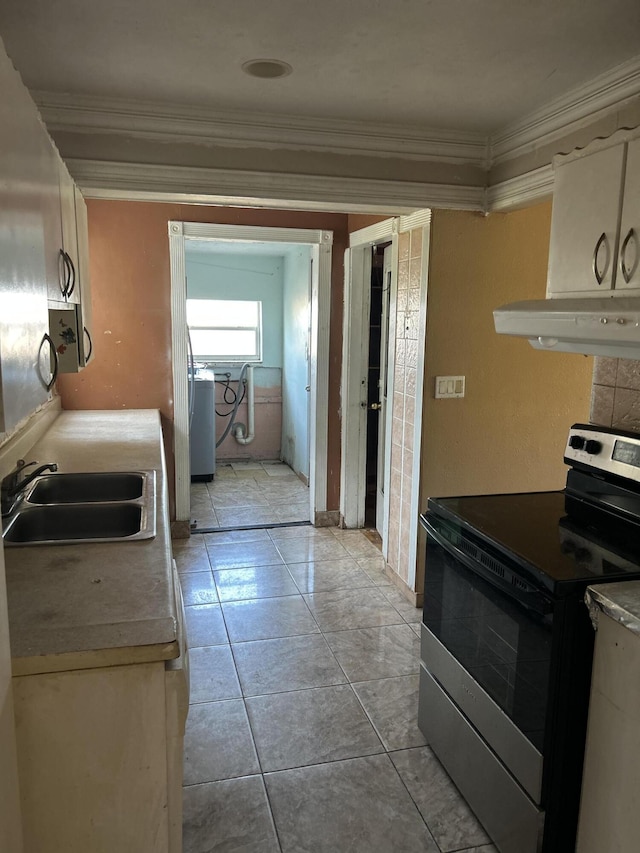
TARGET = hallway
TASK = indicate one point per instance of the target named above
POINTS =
(302, 735)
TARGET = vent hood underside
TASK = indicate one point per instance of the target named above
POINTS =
(609, 326)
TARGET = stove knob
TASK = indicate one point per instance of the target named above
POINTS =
(593, 447)
(577, 442)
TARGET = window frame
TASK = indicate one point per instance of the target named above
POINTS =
(227, 358)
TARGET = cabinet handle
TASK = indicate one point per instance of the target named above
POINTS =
(67, 273)
(600, 276)
(88, 355)
(627, 273)
(46, 338)
(72, 276)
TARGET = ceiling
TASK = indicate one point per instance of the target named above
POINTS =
(461, 65)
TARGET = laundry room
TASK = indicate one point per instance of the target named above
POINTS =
(248, 314)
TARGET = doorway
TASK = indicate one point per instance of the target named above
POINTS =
(248, 315)
(377, 384)
(314, 324)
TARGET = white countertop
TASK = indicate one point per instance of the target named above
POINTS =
(95, 604)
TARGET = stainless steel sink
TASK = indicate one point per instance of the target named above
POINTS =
(75, 522)
(100, 486)
(69, 509)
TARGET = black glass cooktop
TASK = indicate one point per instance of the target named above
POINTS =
(535, 531)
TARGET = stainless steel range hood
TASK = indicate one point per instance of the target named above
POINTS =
(597, 326)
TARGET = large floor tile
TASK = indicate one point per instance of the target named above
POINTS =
(298, 531)
(213, 674)
(198, 588)
(335, 727)
(293, 512)
(351, 608)
(369, 653)
(225, 497)
(408, 611)
(305, 550)
(392, 706)
(231, 556)
(247, 516)
(226, 537)
(228, 817)
(375, 568)
(357, 544)
(360, 806)
(205, 625)
(268, 618)
(451, 821)
(291, 663)
(254, 582)
(218, 743)
(327, 575)
(192, 559)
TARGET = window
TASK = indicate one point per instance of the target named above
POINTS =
(225, 330)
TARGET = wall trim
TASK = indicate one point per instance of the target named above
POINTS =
(511, 194)
(577, 107)
(196, 185)
(171, 123)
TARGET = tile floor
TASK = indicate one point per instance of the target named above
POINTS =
(302, 735)
(246, 493)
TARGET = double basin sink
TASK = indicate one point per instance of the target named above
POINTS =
(104, 506)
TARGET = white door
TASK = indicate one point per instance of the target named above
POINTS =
(383, 384)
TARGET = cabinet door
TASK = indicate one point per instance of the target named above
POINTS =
(584, 224)
(69, 232)
(24, 192)
(82, 229)
(52, 221)
(628, 272)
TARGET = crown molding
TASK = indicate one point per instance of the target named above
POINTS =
(136, 181)
(575, 109)
(180, 123)
(518, 192)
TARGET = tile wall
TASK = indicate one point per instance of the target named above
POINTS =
(404, 399)
(615, 393)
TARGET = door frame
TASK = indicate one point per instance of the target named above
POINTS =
(355, 361)
(320, 243)
(355, 372)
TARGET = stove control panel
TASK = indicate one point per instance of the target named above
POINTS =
(606, 450)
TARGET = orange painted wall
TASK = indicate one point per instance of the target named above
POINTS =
(131, 296)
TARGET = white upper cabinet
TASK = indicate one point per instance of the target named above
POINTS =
(594, 226)
(628, 272)
(69, 256)
(26, 194)
(82, 231)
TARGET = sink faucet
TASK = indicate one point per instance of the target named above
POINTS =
(12, 486)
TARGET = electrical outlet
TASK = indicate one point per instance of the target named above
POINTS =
(449, 386)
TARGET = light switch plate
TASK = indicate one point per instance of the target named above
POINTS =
(449, 386)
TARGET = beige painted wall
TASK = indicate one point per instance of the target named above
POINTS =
(508, 432)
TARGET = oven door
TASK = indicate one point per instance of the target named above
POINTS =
(486, 640)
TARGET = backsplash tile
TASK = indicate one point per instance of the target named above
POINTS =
(615, 393)
(628, 375)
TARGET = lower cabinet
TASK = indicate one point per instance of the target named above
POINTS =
(100, 760)
(609, 815)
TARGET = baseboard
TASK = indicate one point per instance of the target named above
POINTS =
(416, 598)
(328, 518)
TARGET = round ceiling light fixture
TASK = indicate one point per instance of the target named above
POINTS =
(267, 69)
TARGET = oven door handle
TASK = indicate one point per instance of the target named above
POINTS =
(531, 599)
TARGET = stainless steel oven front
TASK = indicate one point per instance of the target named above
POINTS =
(494, 665)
